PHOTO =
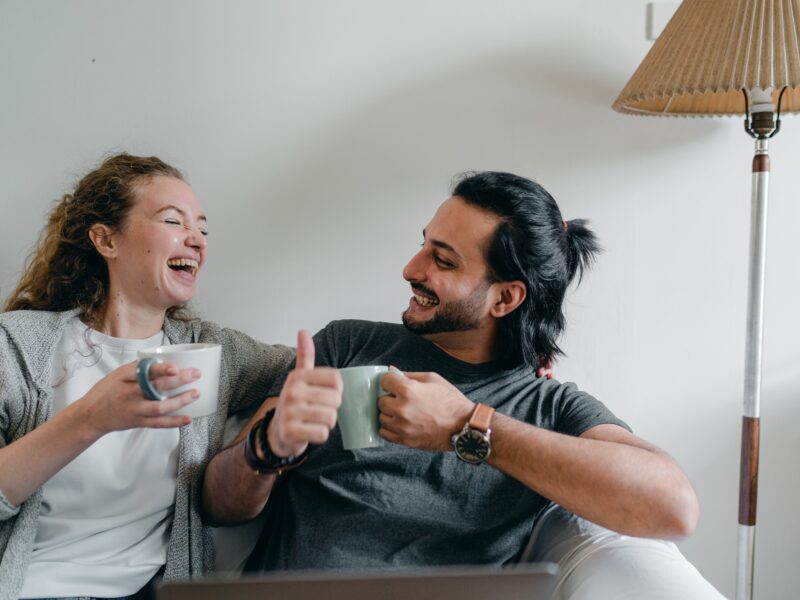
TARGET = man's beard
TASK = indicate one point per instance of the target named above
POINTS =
(460, 315)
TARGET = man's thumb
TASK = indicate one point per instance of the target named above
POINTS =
(305, 350)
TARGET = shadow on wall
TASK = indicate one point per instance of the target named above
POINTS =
(715, 474)
(515, 112)
(778, 527)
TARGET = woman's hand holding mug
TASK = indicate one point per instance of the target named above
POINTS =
(116, 402)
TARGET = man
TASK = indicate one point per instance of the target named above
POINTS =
(486, 310)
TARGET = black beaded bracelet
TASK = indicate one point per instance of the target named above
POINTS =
(271, 464)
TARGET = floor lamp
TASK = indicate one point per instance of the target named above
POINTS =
(731, 57)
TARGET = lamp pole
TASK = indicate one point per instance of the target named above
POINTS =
(709, 53)
(763, 126)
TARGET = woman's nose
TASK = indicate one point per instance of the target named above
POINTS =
(196, 239)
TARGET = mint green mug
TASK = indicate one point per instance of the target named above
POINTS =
(358, 413)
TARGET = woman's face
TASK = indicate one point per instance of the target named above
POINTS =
(161, 246)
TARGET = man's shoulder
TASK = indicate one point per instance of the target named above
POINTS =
(361, 326)
(556, 390)
(354, 341)
(358, 333)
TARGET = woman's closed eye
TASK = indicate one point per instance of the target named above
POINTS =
(177, 222)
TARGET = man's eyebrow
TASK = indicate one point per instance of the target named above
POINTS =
(183, 214)
(443, 245)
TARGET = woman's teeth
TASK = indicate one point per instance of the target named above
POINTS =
(424, 301)
(188, 264)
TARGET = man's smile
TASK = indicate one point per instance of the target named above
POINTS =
(423, 296)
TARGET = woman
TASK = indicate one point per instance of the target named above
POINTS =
(98, 485)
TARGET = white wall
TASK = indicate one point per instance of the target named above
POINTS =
(320, 137)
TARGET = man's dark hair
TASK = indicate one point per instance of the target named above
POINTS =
(532, 244)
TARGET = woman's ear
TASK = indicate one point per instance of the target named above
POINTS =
(103, 239)
(510, 295)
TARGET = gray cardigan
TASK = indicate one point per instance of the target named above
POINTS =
(28, 341)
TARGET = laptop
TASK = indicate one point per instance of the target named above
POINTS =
(532, 581)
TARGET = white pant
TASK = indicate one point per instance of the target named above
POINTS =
(599, 564)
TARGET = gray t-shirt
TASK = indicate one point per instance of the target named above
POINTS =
(395, 506)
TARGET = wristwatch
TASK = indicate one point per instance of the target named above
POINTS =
(474, 443)
(271, 464)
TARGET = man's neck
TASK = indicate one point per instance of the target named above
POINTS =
(474, 347)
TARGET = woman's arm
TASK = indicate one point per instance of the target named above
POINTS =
(114, 403)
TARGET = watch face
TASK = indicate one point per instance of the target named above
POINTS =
(472, 446)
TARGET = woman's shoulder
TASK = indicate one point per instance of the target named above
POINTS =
(193, 329)
(13, 319)
(31, 336)
(200, 330)
(34, 324)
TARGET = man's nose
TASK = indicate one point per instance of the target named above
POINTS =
(415, 269)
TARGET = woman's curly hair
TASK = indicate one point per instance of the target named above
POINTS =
(65, 271)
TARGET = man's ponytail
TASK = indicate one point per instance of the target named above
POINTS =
(582, 247)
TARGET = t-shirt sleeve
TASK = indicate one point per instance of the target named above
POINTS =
(577, 412)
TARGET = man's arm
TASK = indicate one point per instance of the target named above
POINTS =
(232, 491)
(607, 475)
(305, 413)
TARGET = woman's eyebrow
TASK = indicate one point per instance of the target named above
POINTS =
(183, 214)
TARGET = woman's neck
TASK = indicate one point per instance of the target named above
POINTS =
(120, 319)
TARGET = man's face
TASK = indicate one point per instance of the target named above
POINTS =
(448, 276)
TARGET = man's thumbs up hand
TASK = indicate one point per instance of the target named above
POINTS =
(306, 409)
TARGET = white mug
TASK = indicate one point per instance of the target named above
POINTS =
(204, 357)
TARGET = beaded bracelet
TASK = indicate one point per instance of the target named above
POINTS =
(271, 464)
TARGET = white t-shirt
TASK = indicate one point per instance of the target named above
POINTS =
(106, 516)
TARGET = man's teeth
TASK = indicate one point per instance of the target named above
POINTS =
(423, 301)
(184, 262)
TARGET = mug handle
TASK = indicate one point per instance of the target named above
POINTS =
(143, 378)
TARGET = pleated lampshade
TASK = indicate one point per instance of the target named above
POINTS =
(711, 50)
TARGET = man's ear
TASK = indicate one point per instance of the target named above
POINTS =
(102, 236)
(510, 294)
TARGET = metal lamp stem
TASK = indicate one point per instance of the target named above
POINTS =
(748, 480)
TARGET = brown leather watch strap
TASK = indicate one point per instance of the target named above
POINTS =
(481, 418)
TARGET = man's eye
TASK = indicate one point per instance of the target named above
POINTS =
(204, 232)
(443, 263)
(172, 221)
